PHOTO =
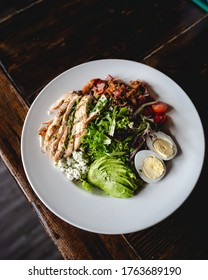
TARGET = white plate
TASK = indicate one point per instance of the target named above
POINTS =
(97, 212)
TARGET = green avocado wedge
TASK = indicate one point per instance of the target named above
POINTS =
(113, 176)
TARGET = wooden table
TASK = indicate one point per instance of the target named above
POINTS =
(39, 39)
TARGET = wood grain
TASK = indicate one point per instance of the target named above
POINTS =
(22, 236)
(10, 8)
(53, 36)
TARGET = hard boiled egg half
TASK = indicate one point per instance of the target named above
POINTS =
(149, 166)
(162, 144)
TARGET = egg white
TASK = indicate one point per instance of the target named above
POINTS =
(139, 160)
(164, 136)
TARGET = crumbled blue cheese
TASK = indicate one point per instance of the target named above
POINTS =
(74, 167)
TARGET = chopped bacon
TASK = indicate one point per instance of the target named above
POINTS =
(135, 94)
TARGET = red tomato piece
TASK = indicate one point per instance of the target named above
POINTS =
(160, 118)
(160, 107)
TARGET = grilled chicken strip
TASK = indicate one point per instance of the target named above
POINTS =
(101, 103)
(58, 118)
(65, 118)
(61, 145)
(55, 143)
(79, 125)
(74, 98)
(42, 131)
(69, 148)
(79, 128)
(58, 102)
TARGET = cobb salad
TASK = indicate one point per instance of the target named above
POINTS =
(100, 136)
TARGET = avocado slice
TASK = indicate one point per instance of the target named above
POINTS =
(113, 176)
(120, 175)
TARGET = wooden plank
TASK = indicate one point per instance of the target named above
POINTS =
(72, 243)
(22, 236)
(35, 48)
(184, 234)
(10, 8)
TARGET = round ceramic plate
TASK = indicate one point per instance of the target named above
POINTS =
(97, 212)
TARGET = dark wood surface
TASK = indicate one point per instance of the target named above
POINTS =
(21, 235)
(41, 39)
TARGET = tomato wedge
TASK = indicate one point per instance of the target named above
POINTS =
(160, 118)
(159, 107)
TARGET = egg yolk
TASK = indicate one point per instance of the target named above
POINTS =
(153, 167)
(163, 147)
